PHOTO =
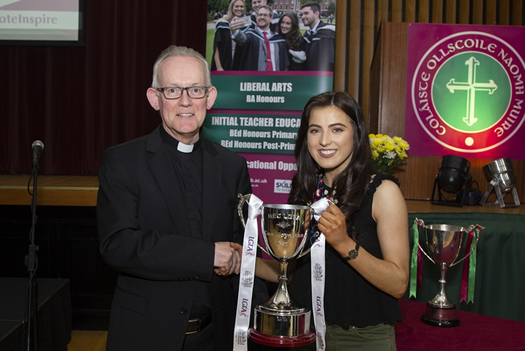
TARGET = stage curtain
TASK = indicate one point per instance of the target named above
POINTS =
(80, 100)
(499, 287)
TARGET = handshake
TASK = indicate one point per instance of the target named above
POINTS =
(298, 56)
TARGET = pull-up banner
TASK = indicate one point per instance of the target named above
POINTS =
(465, 91)
(257, 113)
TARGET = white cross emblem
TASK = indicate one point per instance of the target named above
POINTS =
(471, 86)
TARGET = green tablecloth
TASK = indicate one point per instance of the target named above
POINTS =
(500, 269)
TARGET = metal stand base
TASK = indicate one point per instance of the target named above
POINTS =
(500, 195)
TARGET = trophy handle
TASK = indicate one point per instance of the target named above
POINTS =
(263, 249)
(469, 230)
(307, 232)
(243, 199)
(425, 253)
(421, 223)
(312, 217)
(305, 252)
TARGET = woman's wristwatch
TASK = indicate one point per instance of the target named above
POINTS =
(352, 254)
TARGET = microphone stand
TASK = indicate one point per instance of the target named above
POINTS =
(31, 261)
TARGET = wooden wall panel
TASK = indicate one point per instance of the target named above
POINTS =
(517, 13)
(450, 12)
(490, 12)
(477, 12)
(360, 21)
(393, 60)
(437, 11)
(369, 34)
(410, 10)
(504, 11)
(342, 42)
(397, 11)
(423, 11)
(383, 9)
(464, 12)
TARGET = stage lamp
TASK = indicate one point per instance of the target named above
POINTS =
(453, 178)
(500, 175)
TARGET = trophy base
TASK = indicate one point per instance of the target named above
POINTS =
(281, 327)
(281, 341)
(441, 316)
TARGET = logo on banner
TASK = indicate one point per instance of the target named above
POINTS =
(468, 91)
(282, 186)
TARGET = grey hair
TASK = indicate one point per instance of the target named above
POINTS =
(174, 50)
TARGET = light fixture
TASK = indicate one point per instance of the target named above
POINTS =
(453, 182)
(500, 175)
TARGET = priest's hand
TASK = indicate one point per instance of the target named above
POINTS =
(227, 260)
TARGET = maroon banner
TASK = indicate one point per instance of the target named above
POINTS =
(465, 91)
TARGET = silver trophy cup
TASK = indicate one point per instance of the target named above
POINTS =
(279, 321)
(444, 243)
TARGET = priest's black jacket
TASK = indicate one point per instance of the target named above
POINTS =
(144, 233)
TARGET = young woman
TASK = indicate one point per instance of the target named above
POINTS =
(224, 53)
(288, 26)
(367, 256)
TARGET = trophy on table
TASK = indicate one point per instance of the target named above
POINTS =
(280, 321)
(444, 242)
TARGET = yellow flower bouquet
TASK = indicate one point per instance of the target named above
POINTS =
(388, 152)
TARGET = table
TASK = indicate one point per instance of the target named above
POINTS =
(476, 332)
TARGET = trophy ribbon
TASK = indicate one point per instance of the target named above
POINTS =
(317, 275)
(416, 262)
(468, 279)
(247, 275)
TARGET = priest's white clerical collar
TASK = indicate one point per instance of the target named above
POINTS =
(177, 145)
(185, 148)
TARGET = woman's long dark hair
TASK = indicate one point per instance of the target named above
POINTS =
(352, 183)
(294, 37)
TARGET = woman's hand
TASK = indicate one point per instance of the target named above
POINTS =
(333, 225)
